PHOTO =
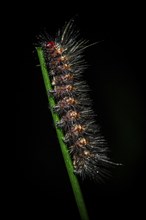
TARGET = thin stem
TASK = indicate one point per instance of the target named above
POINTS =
(67, 159)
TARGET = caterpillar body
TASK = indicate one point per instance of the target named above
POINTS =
(65, 64)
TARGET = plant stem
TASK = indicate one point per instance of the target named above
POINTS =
(67, 159)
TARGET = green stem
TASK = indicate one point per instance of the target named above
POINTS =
(68, 162)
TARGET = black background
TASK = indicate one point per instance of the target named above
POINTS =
(115, 76)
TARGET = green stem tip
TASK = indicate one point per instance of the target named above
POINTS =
(67, 159)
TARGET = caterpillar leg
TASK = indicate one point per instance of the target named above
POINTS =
(51, 93)
(60, 124)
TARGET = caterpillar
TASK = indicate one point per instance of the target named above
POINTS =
(64, 59)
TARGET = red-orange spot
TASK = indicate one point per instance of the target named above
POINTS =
(50, 44)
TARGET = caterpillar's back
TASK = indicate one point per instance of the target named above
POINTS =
(65, 63)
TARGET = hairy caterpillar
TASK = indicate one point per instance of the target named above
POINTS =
(65, 64)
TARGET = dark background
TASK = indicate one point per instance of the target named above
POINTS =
(115, 76)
